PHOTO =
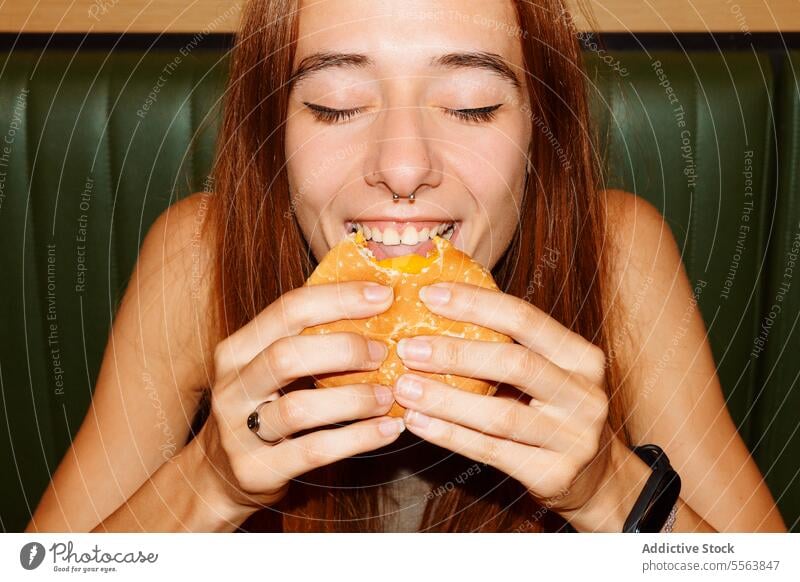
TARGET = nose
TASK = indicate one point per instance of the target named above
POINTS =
(403, 159)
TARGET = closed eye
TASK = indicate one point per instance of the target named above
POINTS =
(479, 114)
(328, 115)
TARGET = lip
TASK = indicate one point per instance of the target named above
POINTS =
(407, 215)
(399, 220)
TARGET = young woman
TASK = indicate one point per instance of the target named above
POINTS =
(462, 117)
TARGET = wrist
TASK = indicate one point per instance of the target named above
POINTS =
(212, 503)
(612, 502)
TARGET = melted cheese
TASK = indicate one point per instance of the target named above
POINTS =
(412, 263)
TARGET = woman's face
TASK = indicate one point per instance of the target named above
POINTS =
(420, 96)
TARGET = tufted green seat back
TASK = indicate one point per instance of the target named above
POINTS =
(97, 143)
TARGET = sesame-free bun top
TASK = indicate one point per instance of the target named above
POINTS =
(351, 260)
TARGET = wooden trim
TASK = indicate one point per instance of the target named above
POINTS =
(743, 16)
(192, 16)
(129, 16)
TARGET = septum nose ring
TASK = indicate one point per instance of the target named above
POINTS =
(396, 197)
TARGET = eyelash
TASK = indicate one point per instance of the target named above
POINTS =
(480, 114)
(328, 115)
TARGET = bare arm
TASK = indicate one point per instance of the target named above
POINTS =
(678, 403)
(147, 391)
(184, 494)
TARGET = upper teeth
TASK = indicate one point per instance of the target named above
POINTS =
(410, 235)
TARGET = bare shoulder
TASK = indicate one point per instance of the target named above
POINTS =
(633, 222)
(645, 260)
(179, 235)
(178, 246)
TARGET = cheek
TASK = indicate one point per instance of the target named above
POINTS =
(496, 177)
(496, 151)
(292, 155)
(315, 167)
(497, 172)
(500, 210)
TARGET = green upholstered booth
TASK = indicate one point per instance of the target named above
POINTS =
(96, 143)
(775, 434)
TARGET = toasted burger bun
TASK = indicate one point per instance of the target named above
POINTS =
(351, 260)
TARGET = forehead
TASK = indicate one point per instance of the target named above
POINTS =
(405, 32)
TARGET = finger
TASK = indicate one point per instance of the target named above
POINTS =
(294, 457)
(519, 319)
(304, 409)
(534, 467)
(502, 417)
(513, 364)
(294, 311)
(293, 357)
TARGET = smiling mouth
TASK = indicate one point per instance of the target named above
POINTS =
(387, 239)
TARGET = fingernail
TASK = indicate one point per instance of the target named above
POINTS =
(409, 387)
(435, 295)
(414, 349)
(377, 350)
(415, 418)
(376, 293)
(391, 426)
(383, 394)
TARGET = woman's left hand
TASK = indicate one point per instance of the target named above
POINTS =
(557, 444)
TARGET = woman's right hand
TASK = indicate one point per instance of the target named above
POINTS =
(254, 363)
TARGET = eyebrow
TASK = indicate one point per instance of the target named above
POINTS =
(458, 60)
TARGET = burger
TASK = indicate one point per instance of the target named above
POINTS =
(352, 260)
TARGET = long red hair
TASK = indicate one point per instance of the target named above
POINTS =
(262, 254)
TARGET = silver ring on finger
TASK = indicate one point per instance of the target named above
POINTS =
(254, 423)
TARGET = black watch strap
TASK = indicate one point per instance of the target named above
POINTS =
(658, 495)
